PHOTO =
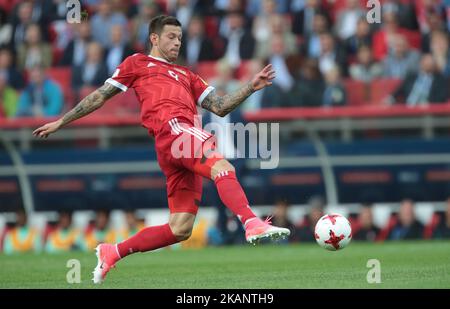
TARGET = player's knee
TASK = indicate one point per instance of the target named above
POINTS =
(181, 232)
(221, 166)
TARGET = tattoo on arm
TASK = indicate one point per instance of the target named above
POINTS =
(90, 103)
(224, 105)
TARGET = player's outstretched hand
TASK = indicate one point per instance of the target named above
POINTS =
(47, 129)
(263, 78)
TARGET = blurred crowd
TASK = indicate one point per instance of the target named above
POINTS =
(62, 235)
(321, 49)
(403, 224)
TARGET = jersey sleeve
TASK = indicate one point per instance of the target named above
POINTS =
(124, 75)
(200, 88)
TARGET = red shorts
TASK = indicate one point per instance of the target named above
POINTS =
(185, 154)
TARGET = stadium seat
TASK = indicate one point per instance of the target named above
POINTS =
(211, 26)
(414, 38)
(357, 92)
(381, 88)
(63, 77)
(431, 225)
(354, 222)
(384, 233)
(244, 69)
(207, 70)
(124, 103)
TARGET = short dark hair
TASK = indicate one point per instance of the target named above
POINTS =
(157, 23)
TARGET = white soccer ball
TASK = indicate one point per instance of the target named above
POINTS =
(333, 232)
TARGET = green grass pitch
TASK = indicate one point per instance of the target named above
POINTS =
(403, 265)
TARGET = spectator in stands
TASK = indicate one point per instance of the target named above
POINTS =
(118, 51)
(196, 46)
(254, 102)
(303, 20)
(93, 72)
(347, 19)
(429, 12)
(281, 93)
(305, 231)
(278, 30)
(402, 61)
(331, 54)
(312, 46)
(183, 11)
(8, 5)
(404, 11)
(225, 83)
(257, 8)
(8, 99)
(442, 230)
(426, 86)
(308, 90)
(99, 232)
(365, 228)
(280, 217)
(407, 226)
(139, 24)
(42, 97)
(7, 69)
(435, 24)
(365, 68)
(132, 225)
(439, 48)
(21, 238)
(334, 93)
(362, 37)
(262, 21)
(103, 21)
(296, 6)
(60, 31)
(33, 52)
(58, 10)
(64, 237)
(5, 29)
(240, 43)
(385, 38)
(284, 79)
(229, 5)
(76, 50)
(20, 23)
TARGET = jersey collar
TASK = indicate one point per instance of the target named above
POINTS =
(160, 59)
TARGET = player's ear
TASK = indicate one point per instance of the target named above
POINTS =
(154, 39)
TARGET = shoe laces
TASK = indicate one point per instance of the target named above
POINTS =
(268, 220)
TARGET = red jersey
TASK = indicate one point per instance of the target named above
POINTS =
(165, 90)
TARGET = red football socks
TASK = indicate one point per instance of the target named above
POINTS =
(232, 195)
(148, 239)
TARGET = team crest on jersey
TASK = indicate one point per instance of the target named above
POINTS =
(151, 64)
(181, 71)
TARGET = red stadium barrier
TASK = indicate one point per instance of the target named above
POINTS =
(297, 113)
(268, 114)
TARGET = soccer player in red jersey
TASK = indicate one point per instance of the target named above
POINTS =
(169, 95)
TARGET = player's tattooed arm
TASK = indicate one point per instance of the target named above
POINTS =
(90, 103)
(223, 105)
